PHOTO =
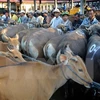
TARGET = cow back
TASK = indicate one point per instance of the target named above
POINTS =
(93, 57)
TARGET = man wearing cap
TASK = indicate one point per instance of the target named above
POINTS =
(46, 18)
(66, 22)
(14, 16)
(57, 19)
(23, 17)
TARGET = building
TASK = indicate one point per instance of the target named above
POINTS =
(49, 4)
(44, 4)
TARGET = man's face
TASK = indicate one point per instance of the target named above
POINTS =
(22, 14)
(76, 17)
(91, 14)
(7, 14)
(56, 14)
(65, 17)
(44, 14)
(30, 15)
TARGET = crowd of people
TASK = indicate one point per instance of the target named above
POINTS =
(52, 19)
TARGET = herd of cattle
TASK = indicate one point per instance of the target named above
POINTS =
(49, 50)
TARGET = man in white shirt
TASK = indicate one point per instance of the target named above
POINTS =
(57, 19)
(39, 18)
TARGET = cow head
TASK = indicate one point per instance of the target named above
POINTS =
(75, 69)
(12, 42)
(15, 55)
(94, 29)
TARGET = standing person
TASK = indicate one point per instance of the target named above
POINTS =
(77, 21)
(91, 19)
(23, 17)
(13, 15)
(57, 19)
(5, 18)
(46, 17)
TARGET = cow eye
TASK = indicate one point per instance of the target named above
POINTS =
(16, 57)
(80, 70)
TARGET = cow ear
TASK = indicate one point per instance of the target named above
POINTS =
(5, 38)
(63, 58)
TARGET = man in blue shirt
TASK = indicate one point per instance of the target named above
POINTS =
(90, 20)
(5, 18)
(57, 19)
(23, 17)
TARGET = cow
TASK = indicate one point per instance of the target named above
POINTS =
(11, 31)
(94, 29)
(11, 43)
(93, 57)
(34, 45)
(12, 56)
(51, 47)
(27, 32)
(76, 39)
(25, 36)
(38, 80)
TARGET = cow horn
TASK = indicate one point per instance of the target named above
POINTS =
(17, 36)
(5, 38)
(74, 59)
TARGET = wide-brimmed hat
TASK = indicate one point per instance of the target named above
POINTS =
(56, 10)
(65, 13)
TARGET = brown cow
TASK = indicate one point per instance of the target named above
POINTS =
(50, 48)
(25, 36)
(11, 31)
(12, 56)
(11, 43)
(38, 80)
(34, 45)
(77, 40)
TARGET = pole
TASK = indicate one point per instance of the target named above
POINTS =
(55, 3)
(34, 5)
(8, 5)
(82, 6)
(71, 3)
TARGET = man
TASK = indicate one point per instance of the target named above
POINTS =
(5, 18)
(39, 18)
(90, 20)
(77, 21)
(66, 25)
(23, 17)
(31, 17)
(14, 16)
(46, 18)
(57, 19)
